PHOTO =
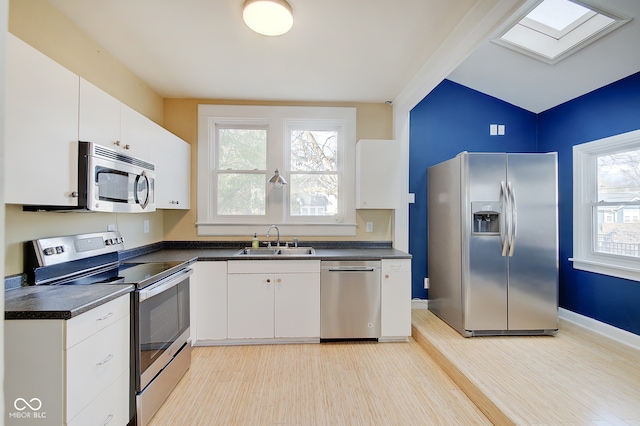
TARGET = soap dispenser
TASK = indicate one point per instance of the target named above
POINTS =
(255, 243)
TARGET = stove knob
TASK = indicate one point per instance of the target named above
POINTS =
(49, 251)
(60, 249)
(108, 242)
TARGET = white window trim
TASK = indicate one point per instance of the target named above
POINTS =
(278, 117)
(584, 194)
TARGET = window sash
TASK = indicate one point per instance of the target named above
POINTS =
(279, 120)
(586, 253)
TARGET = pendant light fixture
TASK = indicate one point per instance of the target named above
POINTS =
(268, 17)
(277, 180)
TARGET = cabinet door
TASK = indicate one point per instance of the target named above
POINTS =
(134, 133)
(297, 305)
(210, 300)
(172, 157)
(99, 116)
(378, 178)
(396, 298)
(41, 128)
(251, 304)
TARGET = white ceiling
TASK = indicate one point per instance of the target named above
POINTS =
(338, 50)
(537, 86)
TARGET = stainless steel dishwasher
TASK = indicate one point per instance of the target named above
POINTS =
(350, 300)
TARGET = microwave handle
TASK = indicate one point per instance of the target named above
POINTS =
(144, 203)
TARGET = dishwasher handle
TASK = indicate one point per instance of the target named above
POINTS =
(351, 269)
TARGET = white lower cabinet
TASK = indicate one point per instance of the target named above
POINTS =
(209, 302)
(70, 372)
(274, 299)
(396, 298)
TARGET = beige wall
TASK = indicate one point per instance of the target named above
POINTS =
(42, 26)
(45, 28)
(374, 121)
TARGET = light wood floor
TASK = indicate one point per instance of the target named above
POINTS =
(316, 384)
(574, 378)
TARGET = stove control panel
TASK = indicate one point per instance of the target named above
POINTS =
(50, 251)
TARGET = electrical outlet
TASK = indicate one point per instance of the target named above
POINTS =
(111, 227)
(146, 226)
(369, 227)
(426, 283)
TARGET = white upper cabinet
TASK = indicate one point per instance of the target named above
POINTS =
(378, 174)
(134, 132)
(172, 157)
(99, 116)
(41, 126)
(108, 122)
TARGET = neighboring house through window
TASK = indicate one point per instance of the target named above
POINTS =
(239, 149)
(607, 206)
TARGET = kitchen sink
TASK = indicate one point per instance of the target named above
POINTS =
(276, 251)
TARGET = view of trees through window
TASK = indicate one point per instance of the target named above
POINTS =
(313, 173)
(617, 210)
(241, 166)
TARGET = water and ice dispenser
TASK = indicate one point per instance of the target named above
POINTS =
(486, 217)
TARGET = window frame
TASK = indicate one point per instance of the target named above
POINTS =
(326, 125)
(278, 120)
(584, 199)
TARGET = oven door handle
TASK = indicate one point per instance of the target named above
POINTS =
(164, 284)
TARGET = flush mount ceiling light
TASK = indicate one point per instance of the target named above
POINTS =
(268, 17)
(277, 180)
(554, 29)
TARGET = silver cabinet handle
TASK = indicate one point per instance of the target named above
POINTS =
(106, 360)
(109, 418)
(109, 315)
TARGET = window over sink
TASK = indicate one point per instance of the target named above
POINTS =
(240, 147)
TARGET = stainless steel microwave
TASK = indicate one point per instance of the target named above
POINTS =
(109, 181)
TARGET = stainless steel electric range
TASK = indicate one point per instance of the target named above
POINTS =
(160, 343)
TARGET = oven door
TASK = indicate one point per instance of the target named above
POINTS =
(161, 325)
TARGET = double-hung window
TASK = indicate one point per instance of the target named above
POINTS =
(239, 149)
(607, 206)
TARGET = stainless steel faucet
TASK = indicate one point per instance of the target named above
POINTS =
(278, 231)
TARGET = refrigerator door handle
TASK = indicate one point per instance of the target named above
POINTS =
(505, 227)
(514, 219)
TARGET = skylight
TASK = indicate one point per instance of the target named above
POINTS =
(554, 29)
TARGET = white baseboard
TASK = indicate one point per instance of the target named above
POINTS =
(617, 334)
(419, 304)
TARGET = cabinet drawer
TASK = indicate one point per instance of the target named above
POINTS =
(95, 363)
(110, 407)
(398, 265)
(272, 266)
(89, 323)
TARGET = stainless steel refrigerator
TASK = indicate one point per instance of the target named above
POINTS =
(493, 243)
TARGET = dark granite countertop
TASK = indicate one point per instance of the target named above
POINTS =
(213, 254)
(65, 302)
(59, 301)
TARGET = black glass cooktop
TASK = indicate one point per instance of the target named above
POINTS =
(138, 274)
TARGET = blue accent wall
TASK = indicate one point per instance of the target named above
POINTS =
(449, 120)
(454, 118)
(605, 112)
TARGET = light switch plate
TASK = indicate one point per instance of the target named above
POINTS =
(369, 227)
